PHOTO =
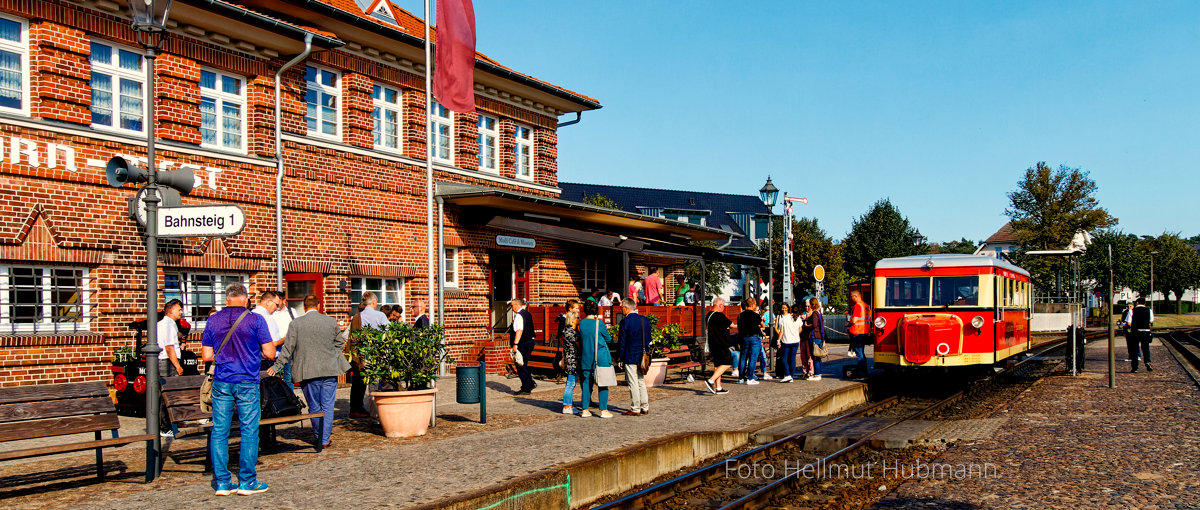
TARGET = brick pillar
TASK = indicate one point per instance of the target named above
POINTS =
(61, 73)
(357, 121)
(177, 93)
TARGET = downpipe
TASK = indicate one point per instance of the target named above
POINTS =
(279, 158)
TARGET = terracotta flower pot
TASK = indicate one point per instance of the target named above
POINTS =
(657, 374)
(404, 413)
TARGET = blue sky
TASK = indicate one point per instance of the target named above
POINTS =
(939, 106)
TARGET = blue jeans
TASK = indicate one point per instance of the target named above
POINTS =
(859, 344)
(588, 378)
(320, 395)
(816, 360)
(788, 353)
(751, 349)
(569, 391)
(737, 359)
(246, 397)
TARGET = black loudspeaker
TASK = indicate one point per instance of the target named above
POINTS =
(122, 170)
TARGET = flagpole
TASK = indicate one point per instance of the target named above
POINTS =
(429, 309)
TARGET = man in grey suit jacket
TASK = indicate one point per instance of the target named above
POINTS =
(315, 349)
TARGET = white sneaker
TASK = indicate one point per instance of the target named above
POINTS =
(585, 414)
(741, 381)
(734, 374)
(786, 379)
(568, 410)
(815, 377)
(606, 414)
(767, 377)
(850, 353)
(167, 434)
(752, 382)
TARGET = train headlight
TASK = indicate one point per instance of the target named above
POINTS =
(977, 322)
(880, 322)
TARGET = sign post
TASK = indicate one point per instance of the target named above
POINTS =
(819, 275)
(210, 220)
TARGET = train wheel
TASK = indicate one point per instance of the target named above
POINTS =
(120, 383)
(139, 384)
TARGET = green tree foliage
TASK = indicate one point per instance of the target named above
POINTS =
(963, 245)
(1130, 262)
(1050, 206)
(717, 273)
(1176, 267)
(811, 246)
(600, 200)
(880, 233)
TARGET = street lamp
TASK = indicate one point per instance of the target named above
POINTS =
(917, 238)
(1152, 254)
(768, 193)
(150, 26)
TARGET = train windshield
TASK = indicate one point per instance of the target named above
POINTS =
(956, 291)
(907, 292)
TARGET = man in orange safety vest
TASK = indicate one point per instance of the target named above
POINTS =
(860, 332)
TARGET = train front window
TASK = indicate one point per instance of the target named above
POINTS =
(907, 292)
(956, 291)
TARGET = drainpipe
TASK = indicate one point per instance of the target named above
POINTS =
(441, 279)
(279, 159)
(578, 117)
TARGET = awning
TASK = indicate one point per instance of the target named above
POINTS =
(591, 225)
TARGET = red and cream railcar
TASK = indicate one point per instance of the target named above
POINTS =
(949, 310)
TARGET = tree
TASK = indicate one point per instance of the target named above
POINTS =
(1130, 262)
(963, 245)
(717, 273)
(1176, 267)
(880, 233)
(1050, 206)
(600, 200)
(811, 246)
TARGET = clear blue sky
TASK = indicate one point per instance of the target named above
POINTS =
(939, 106)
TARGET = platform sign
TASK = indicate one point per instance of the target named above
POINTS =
(211, 220)
(819, 273)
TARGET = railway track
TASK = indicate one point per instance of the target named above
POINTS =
(742, 481)
(1185, 344)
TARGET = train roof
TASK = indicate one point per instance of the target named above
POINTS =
(948, 260)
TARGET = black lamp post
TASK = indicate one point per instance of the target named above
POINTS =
(768, 194)
(150, 26)
(917, 238)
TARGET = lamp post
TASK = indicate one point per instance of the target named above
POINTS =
(917, 238)
(150, 26)
(1152, 254)
(768, 194)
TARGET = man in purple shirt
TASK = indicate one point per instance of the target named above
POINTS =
(236, 381)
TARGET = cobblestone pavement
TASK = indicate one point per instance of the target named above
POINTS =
(1071, 442)
(523, 435)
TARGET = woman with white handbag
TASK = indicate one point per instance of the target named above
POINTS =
(595, 360)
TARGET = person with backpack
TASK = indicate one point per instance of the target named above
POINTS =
(314, 348)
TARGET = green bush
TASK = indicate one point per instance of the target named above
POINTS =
(400, 354)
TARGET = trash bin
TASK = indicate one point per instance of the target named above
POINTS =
(1077, 355)
(468, 385)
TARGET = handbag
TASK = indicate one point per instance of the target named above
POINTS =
(644, 365)
(605, 376)
(206, 386)
(819, 350)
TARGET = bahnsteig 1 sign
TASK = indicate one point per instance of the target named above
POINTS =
(215, 220)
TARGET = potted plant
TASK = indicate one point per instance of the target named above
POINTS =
(662, 341)
(407, 359)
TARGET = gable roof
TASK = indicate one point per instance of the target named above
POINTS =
(722, 208)
(1005, 235)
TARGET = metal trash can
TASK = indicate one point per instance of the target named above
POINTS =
(468, 385)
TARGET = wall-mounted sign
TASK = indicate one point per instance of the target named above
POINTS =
(216, 220)
(516, 242)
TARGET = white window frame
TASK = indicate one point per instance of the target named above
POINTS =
(359, 284)
(117, 74)
(450, 266)
(222, 99)
(185, 292)
(441, 117)
(45, 288)
(484, 135)
(334, 91)
(523, 144)
(380, 107)
(595, 274)
(21, 47)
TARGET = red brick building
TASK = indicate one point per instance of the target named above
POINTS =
(355, 128)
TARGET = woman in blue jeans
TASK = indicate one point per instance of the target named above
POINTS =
(593, 352)
(750, 327)
(814, 333)
(569, 340)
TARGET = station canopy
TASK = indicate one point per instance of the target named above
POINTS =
(589, 225)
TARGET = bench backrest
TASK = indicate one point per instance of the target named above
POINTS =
(45, 410)
(181, 396)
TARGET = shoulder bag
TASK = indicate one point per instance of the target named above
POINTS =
(644, 365)
(206, 387)
(819, 350)
(605, 376)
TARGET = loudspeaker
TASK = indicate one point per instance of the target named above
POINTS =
(121, 171)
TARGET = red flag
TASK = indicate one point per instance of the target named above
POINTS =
(454, 64)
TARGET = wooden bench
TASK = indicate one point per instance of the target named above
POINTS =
(181, 398)
(684, 360)
(542, 359)
(47, 410)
